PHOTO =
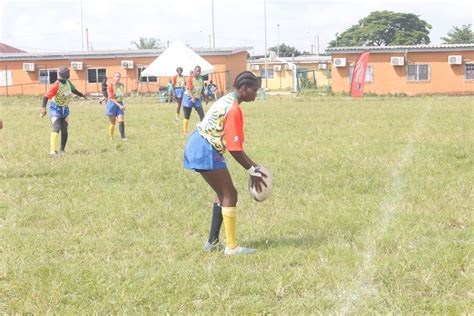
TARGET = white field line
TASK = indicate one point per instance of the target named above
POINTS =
(363, 285)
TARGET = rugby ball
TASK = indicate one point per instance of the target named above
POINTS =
(266, 190)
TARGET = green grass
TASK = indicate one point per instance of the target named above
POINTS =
(372, 212)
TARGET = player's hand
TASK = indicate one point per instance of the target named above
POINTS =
(257, 182)
(257, 177)
(43, 112)
(122, 108)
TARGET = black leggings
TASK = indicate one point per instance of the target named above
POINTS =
(187, 112)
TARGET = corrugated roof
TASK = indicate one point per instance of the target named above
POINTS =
(124, 53)
(307, 59)
(401, 48)
(7, 49)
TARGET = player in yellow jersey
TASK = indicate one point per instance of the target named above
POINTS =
(221, 131)
(115, 107)
(61, 95)
(179, 85)
(193, 97)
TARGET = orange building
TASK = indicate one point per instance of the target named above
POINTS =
(33, 73)
(412, 70)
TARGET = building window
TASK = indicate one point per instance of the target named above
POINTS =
(419, 72)
(96, 75)
(369, 74)
(302, 73)
(269, 73)
(146, 78)
(48, 76)
(469, 71)
(5, 78)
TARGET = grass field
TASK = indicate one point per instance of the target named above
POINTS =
(372, 212)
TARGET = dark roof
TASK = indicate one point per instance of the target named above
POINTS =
(402, 48)
(123, 53)
(7, 49)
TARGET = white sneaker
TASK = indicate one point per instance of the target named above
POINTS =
(124, 139)
(239, 250)
(53, 154)
(208, 247)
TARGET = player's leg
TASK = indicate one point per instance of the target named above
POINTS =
(64, 133)
(187, 115)
(221, 182)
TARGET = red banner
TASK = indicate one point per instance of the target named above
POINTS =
(358, 75)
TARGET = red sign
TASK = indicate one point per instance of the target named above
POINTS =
(358, 75)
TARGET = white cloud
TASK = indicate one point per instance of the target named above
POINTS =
(54, 25)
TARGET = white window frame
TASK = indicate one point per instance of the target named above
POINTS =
(270, 72)
(96, 74)
(369, 74)
(48, 77)
(140, 69)
(469, 73)
(416, 77)
(6, 78)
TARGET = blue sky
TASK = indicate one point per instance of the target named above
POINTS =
(52, 25)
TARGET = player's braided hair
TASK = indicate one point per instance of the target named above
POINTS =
(246, 78)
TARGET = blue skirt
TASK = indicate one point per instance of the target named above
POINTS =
(200, 156)
(58, 111)
(111, 109)
(179, 92)
(188, 102)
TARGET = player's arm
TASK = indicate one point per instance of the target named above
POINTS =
(234, 138)
(74, 90)
(111, 94)
(189, 87)
(48, 96)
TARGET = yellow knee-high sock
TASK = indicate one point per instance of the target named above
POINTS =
(54, 142)
(185, 125)
(229, 214)
(58, 142)
(111, 130)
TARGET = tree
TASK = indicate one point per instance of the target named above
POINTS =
(382, 28)
(460, 35)
(285, 50)
(147, 43)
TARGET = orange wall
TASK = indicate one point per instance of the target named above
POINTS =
(444, 78)
(27, 83)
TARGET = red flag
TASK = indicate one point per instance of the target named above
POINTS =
(358, 75)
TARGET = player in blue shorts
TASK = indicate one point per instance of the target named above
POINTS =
(179, 85)
(115, 107)
(61, 94)
(221, 130)
(193, 97)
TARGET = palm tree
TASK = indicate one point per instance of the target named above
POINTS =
(147, 43)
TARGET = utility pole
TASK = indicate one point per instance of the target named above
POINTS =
(87, 38)
(213, 31)
(265, 24)
(317, 36)
(278, 40)
(210, 42)
(82, 29)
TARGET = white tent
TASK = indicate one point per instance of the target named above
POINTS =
(177, 55)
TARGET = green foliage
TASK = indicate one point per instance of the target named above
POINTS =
(147, 43)
(385, 28)
(116, 227)
(460, 35)
(285, 50)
